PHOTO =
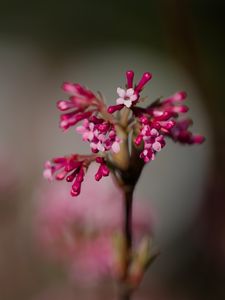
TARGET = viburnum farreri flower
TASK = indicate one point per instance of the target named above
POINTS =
(111, 130)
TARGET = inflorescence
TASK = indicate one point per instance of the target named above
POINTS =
(101, 126)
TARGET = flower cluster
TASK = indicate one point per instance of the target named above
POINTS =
(149, 128)
(159, 120)
(81, 105)
(100, 134)
(72, 168)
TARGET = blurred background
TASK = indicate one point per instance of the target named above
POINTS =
(182, 43)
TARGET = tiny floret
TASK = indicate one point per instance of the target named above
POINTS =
(126, 97)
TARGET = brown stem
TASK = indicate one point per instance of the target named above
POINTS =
(125, 292)
(128, 195)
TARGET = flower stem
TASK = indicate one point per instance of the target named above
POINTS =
(128, 197)
(125, 293)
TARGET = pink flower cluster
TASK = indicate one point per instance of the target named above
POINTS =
(159, 120)
(81, 105)
(79, 235)
(101, 135)
(155, 123)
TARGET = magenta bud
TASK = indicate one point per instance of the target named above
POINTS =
(165, 116)
(144, 120)
(59, 160)
(113, 108)
(99, 160)
(69, 87)
(156, 125)
(64, 105)
(138, 140)
(74, 193)
(168, 124)
(76, 186)
(84, 92)
(71, 177)
(80, 176)
(60, 176)
(198, 139)
(145, 78)
(179, 96)
(94, 150)
(130, 77)
(98, 176)
(103, 127)
(104, 170)
(180, 109)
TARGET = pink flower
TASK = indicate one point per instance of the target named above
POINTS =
(130, 96)
(126, 97)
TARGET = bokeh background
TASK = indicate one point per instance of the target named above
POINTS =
(44, 43)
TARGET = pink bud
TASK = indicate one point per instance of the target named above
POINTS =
(74, 193)
(104, 170)
(76, 186)
(138, 140)
(198, 139)
(145, 78)
(64, 105)
(130, 77)
(61, 175)
(99, 160)
(113, 108)
(98, 176)
(80, 176)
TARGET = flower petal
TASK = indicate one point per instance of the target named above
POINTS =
(127, 103)
(120, 101)
(129, 92)
(121, 92)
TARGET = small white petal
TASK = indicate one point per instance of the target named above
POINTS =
(100, 147)
(154, 132)
(120, 101)
(156, 146)
(121, 92)
(93, 146)
(101, 137)
(133, 97)
(127, 103)
(145, 152)
(96, 132)
(129, 92)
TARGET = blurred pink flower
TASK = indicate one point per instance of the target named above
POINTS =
(79, 232)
